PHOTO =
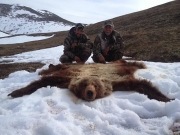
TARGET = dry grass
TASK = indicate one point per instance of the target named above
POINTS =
(6, 69)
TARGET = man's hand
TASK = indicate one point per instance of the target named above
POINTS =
(105, 52)
(77, 59)
(73, 45)
(102, 59)
(82, 45)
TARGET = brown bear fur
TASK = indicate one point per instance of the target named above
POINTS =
(92, 81)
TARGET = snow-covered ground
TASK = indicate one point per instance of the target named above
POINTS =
(21, 39)
(3, 35)
(55, 111)
(29, 27)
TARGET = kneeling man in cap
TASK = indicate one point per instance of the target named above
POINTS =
(77, 46)
(108, 45)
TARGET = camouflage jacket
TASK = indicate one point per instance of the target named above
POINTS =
(114, 41)
(82, 42)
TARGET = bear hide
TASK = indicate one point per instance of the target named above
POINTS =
(95, 80)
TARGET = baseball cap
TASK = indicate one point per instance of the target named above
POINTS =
(79, 25)
(108, 22)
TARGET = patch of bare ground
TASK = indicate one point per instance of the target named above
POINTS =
(6, 69)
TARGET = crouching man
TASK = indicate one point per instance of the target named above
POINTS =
(108, 45)
(77, 46)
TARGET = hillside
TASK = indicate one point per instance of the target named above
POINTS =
(150, 35)
(16, 19)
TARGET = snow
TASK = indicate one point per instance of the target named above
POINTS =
(22, 39)
(55, 111)
(20, 21)
(3, 35)
(17, 12)
(26, 26)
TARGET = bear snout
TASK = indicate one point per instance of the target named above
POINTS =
(89, 94)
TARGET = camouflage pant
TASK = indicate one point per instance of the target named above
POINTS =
(83, 55)
(111, 56)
